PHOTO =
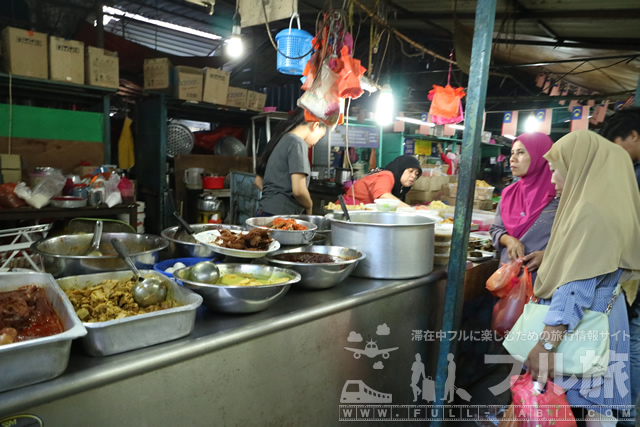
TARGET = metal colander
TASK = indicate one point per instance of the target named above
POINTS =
(229, 146)
(180, 139)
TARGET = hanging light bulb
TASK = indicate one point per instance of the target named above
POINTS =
(531, 125)
(234, 44)
(384, 108)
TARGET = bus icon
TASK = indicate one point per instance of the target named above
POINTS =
(356, 391)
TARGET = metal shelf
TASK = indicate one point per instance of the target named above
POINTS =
(40, 86)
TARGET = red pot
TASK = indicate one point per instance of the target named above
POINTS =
(213, 182)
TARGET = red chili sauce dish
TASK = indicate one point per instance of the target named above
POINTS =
(26, 314)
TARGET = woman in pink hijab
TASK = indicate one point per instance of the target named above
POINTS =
(528, 207)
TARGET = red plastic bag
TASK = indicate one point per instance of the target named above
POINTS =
(549, 408)
(507, 311)
(9, 199)
(446, 101)
(497, 283)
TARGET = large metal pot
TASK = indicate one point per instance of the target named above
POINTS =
(183, 249)
(62, 255)
(396, 245)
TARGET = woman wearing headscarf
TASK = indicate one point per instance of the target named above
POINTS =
(594, 245)
(527, 208)
(392, 182)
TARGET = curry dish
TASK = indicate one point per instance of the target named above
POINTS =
(110, 300)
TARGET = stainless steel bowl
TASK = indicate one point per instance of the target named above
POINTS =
(68, 202)
(285, 237)
(320, 276)
(182, 249)
(323, 224)
(61, 255)
(240, 299)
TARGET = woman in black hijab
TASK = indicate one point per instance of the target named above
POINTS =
(392, 182)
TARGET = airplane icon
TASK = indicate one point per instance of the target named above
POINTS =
(371, 350)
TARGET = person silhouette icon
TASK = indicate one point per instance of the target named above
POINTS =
(417, 372)
(449, 387)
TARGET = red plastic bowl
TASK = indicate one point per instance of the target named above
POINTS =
(213, 182)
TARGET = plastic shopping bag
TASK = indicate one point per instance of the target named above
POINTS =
(507, 311)
(532, 408)
(446, 101)
(499, 281)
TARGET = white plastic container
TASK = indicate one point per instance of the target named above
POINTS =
(387, 205)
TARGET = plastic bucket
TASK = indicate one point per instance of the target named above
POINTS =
(293, 43)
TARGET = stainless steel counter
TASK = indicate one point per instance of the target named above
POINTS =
(284, 366)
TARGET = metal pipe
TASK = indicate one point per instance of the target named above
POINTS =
(469, 164)
(100, 26)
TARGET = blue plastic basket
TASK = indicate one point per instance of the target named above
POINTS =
(293, 43)
(188, 262)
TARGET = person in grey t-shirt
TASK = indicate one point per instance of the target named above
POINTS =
(284, 169)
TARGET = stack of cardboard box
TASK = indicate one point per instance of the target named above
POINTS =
(25, 53)
(427, 189)
(483, 197)
(10, 168)
(199, 85)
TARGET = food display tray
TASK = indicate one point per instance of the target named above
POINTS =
(33, 361)
(144, 330)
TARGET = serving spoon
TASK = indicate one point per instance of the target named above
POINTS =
(147, 291)
(344, 208)
(94, 249)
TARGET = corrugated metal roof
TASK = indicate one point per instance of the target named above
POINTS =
(168, 40)
(163, 39)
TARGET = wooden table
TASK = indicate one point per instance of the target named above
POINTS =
(28, 212)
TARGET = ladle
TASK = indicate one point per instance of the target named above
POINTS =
(94, 249)
(146, 291)
(344, 208)
(205, 272)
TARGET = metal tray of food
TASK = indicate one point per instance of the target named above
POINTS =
(33, 361)
(144, 330)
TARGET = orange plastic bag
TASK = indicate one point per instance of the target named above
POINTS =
(350, 72)
(532, 409)
(507, 311)
(446, 101)
(499, 281)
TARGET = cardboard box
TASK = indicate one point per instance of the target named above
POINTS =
(102, 68)
(83, 171)
(188, 83)
(10, 161)
(158, 74)
(485, 205)
(216, 86)
(256, 100)
(25, 53)
(237, 97)
(11, 175)
(421, 197)
(66, 60)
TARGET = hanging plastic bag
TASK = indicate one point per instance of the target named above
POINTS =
(350, 72)
(452, 121)
(499, 281)
(533, 409)
(507, 311)
(322, 99)
(446, 101)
